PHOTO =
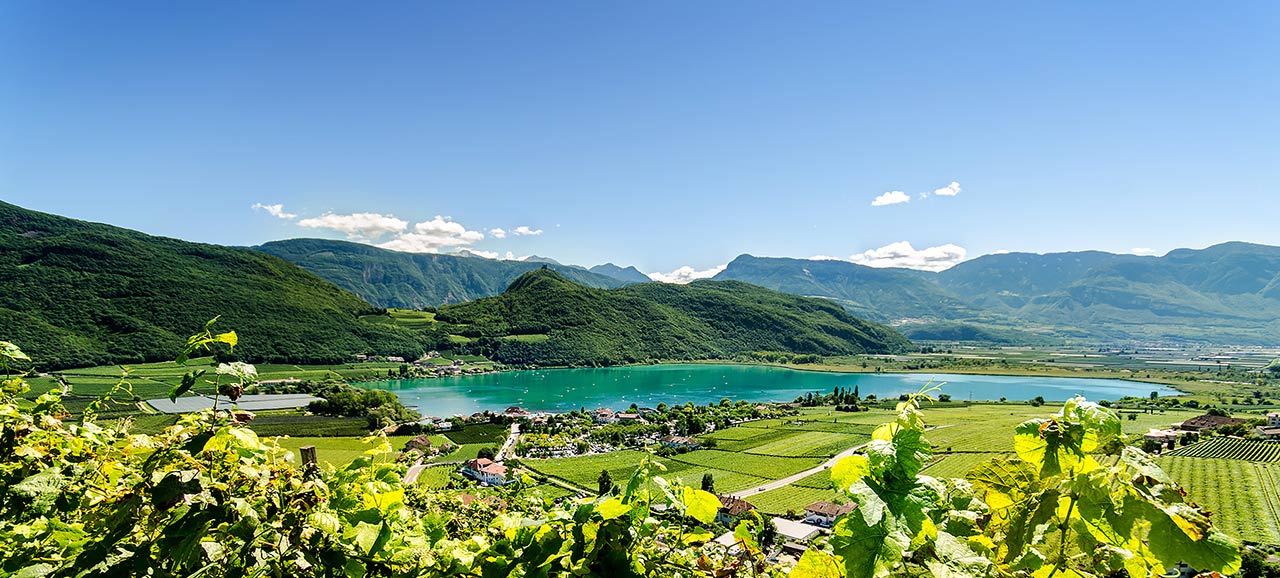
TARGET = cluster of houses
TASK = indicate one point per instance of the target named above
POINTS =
(605, 415)
(1169, 438)
(819, 517)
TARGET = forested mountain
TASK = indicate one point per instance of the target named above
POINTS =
(627, 274)
(74, 293)
(1226, 293)
(545, 318)
(414, 280)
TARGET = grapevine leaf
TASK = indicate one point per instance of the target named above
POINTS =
(701, 505)
(815, 564)
(12, 352)
(850, 470)
(228, 338)
(613, 508)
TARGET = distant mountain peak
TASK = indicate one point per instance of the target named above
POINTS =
(625, 274)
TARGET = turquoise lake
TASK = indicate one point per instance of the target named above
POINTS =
(561, 390)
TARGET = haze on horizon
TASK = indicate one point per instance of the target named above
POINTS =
(669, 136)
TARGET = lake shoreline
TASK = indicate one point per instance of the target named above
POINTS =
(646, 385)
(1052, 373)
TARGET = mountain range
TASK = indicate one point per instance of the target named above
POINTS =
(75, 293)
(1227, 293)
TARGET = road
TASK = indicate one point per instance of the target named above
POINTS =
(509, 444)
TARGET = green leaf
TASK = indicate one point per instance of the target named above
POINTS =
(701, 505)
(815, 564)
(613, 508)
(188, 381)
(12, 352)
(850, 470)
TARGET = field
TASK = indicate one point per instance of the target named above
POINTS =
(485, 433)
(1244, 496)
(1230, 449)
(958, 464)
(437, 477)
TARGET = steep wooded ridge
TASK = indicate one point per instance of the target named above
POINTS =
(75, 293)
(545, 318)
(412, 280)
(1227, 293)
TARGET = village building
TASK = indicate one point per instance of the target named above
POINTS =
(1164, 437)
(1273, 419)
(732, 508)
(486, 471)
(604, 415)
(395, 358)
(795, 531)
(824, 514)
(1208, 422)
(1269, 433)
(632, 417)
(680, 442)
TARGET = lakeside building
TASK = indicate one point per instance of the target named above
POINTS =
(486, 470)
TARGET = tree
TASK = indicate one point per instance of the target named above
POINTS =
(485, 453)
(1037, 401)
(1274, 367)
(605, 481)
(1154, 395)
(708, 483)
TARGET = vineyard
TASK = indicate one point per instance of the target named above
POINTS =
(1230, 449)
(1243, 496)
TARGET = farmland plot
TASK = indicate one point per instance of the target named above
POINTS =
(813, 443)
(1230, 449)
(750, 464)
(1243, 496)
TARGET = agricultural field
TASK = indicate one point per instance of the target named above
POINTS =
(749, 464)
(1244, 496)
(463, 453)
(1230, 449)
(789, 499)
(583, 471)
(810, 444)
(437, 477)
(295, 422)
(490, 433)
(957, 465)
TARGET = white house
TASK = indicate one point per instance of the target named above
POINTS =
(1273, 419)
(486, 470)
(825, 513)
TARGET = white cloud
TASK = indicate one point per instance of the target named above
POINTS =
(686, 274)
(498, 233)
(824, 258)
(523, 230)
(357, 225)
(475, 253)
(276, 210)
(902, 254)
(1001, 252)
(1142, 251)
(891, 198)
(950, 190)
(431, 236)
(512, 257)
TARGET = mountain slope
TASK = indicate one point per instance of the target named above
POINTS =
(74, 293)
(412, 280)
(626, 275)
(548, 319)
(879, 294)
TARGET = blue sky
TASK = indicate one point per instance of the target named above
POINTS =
(659, 134)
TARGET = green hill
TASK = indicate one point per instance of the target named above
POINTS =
(413, 280)
(547, 319)
(74, 293)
